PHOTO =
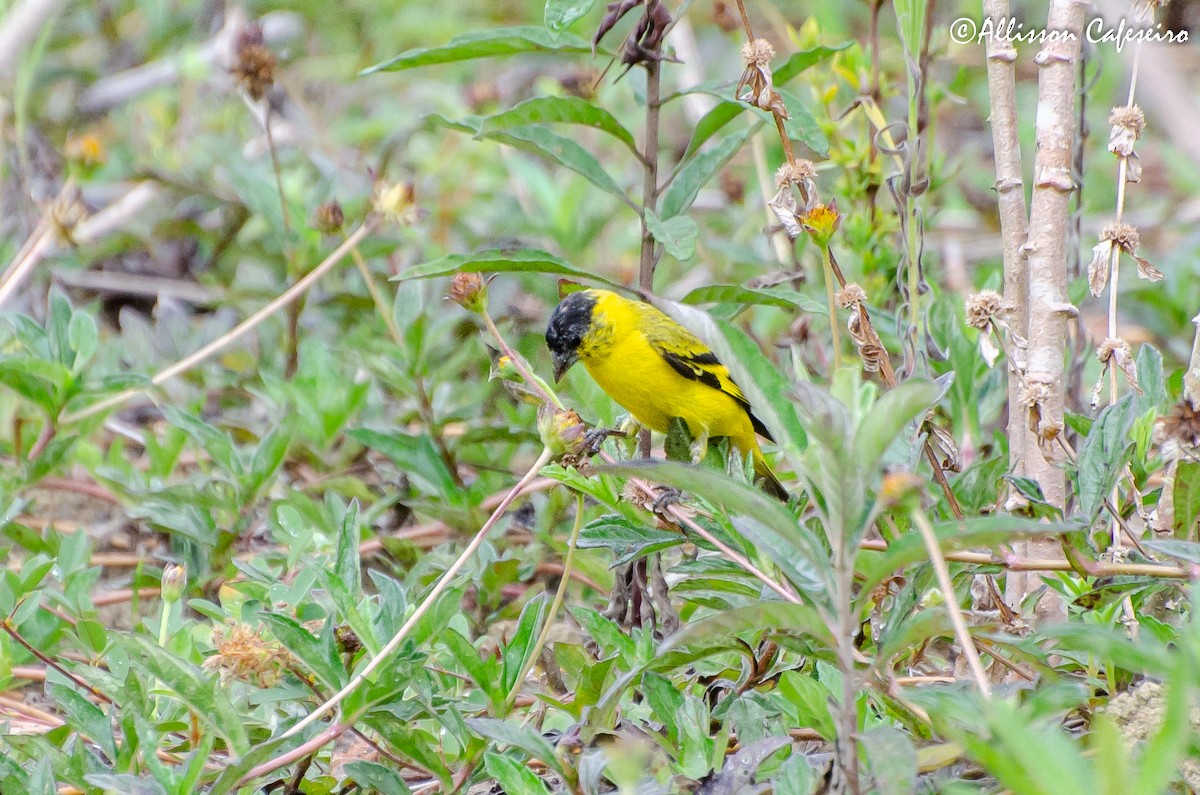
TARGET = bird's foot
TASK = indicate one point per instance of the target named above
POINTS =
(699, 448)
(666, 498)
(594, 438)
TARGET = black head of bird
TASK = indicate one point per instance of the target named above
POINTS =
(568, 326)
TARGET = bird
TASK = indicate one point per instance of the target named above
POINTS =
(656, 370)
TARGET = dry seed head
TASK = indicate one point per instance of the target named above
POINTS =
(1123, 235)
(795, 173)
(562, 430)
(1128, 117)
(245, 655)
(1178, 433)
(758, 52)
(850, 296)
(1033, 393)
(253, 61)
(984, 308)
(1113, 346)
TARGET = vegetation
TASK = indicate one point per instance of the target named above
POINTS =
(280, 517)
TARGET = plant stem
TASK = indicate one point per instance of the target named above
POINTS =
(439, 587)
(649, 259)
(947, 585)
(555, 606)
(534, 382)
(829, 297)
(188, 362)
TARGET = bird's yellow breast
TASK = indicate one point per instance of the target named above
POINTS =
(625, 365)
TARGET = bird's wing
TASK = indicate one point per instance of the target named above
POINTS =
(692, 359)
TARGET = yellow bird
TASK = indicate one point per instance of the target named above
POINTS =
(655, 369)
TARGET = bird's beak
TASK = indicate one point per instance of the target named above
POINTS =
(562, 363)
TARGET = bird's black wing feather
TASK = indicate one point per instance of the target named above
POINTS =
(697, 368)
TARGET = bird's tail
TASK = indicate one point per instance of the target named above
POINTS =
(766, 478)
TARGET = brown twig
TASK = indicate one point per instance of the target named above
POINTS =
(50, 662)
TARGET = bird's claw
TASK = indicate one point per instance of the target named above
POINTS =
(666, 498)
(595, 437)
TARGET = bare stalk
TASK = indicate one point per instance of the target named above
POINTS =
(439, 587)
(237, 332)
(1049, 214)
(649, 258)
(952, 607)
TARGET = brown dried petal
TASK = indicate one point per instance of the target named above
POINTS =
(783, 204)
(1100, 266)
(1133, 168)
(1147, 271)
(946, 444)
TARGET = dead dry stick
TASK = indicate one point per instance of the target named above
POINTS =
(249, 324)
(439, 587)
(956, 616)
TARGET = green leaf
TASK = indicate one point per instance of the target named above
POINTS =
(513, 777)
(664, 700)
(85, 717)
(802, 126)
(268, 457)
(416, 455)
(1150, 378)
(216, 443)
(525, 738)
(627, 539)
(347, 566)
(1176, 548)
(520, 645)
(522, 260)
(892, 759)
(83, 339)
(1186, 496)
(569, 110)
(201, 692)
(677, 234)
(484, 44)
(798, 62)
(809, 701)
(695, 173)
(1104, 454)
(39, 381)
(372, 775)
(795, 777)
(483, 671)
(889, 417)
(559, 149)
(711, 123)
(315, 653)
(561, 14)
(765, 296)
(606, 634)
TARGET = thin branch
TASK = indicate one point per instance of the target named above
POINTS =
(249, 324)
(952, 607)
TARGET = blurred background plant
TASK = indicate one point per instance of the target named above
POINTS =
(264, 518)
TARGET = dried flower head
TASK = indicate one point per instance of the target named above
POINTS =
(395, 202)
(1127, 123)
(1115, 238)
(784, 204)
(758, 52)
(850, 296)
(253, 61)
(1178, 433)
(757, 79)
(346, 639)
(1115, 352)
(469, 291)
(243, 654)
(1034, 395)
(329, 217)
(985, 308)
